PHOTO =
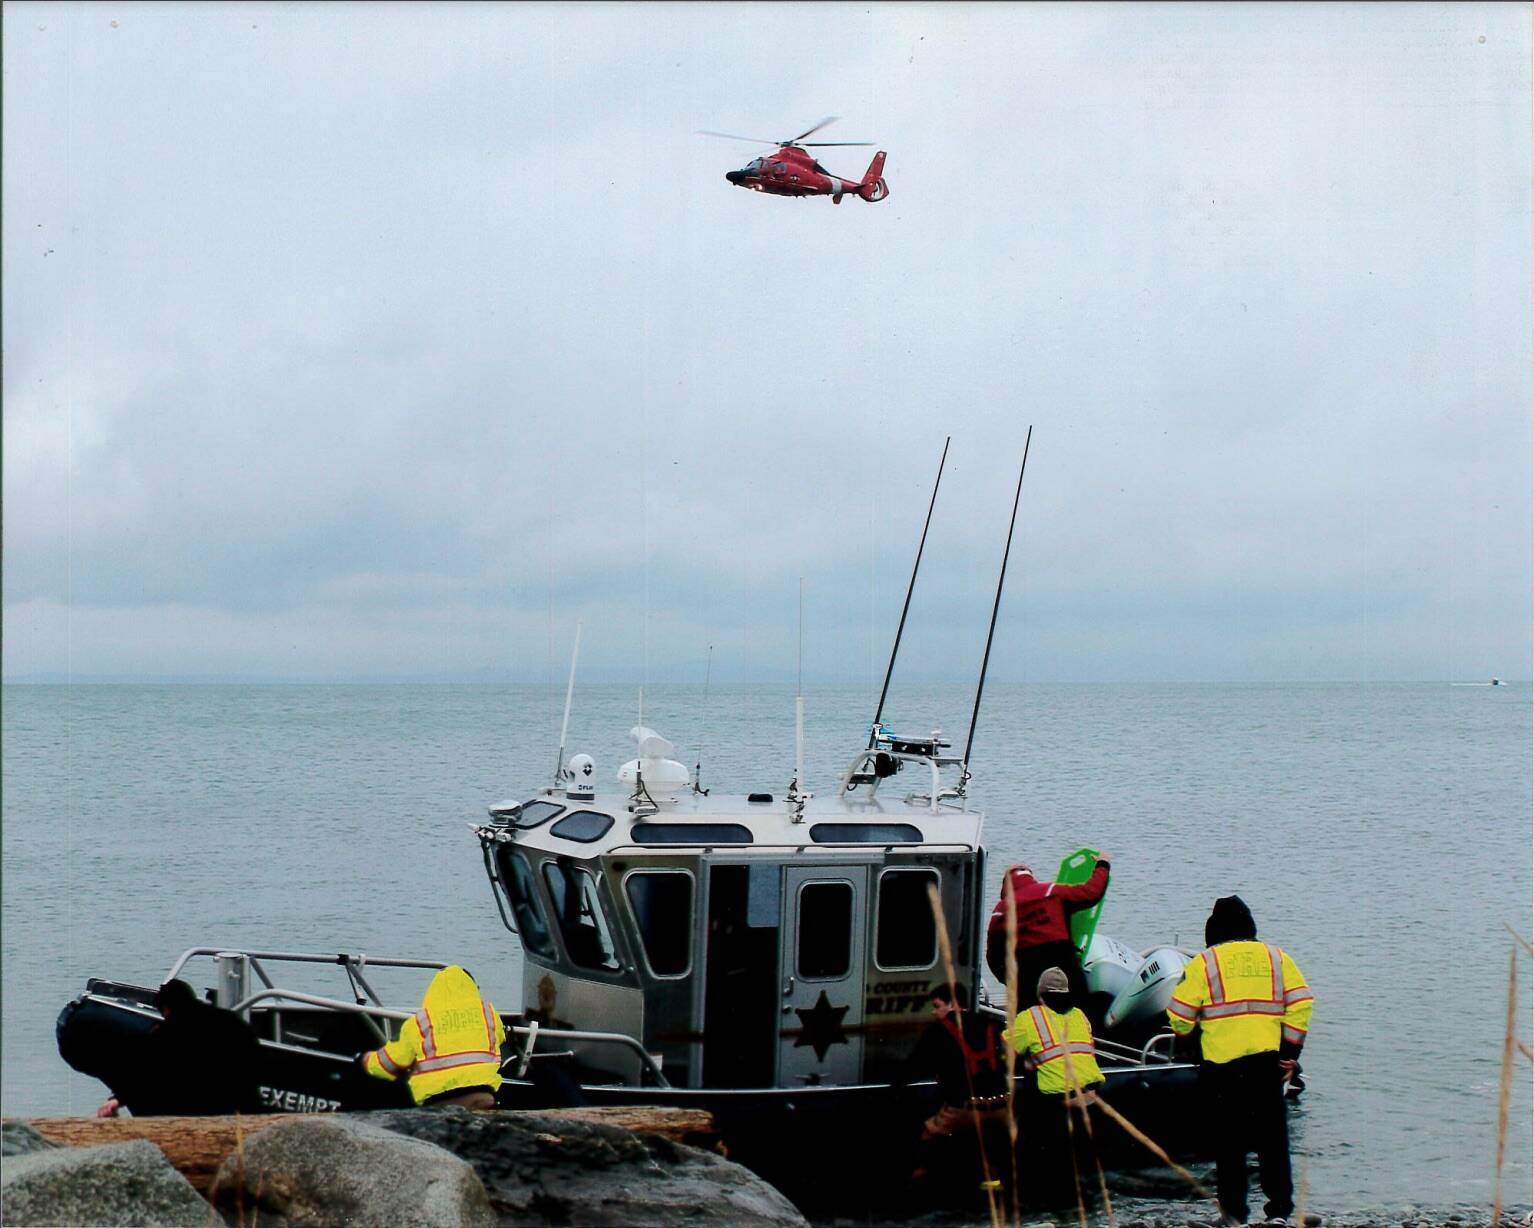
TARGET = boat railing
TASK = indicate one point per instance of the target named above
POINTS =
(529, 1033)
(1149, 1052)
(860, 772)
(235, 968)
(1114, 1051)
(233, 991)
(765, 850)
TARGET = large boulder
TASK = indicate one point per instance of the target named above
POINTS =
(119, 1184)
(19, 1139)
(543, 1171)
(330, 1172)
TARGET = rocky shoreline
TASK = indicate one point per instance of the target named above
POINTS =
(406, 1168)
(450, 1168)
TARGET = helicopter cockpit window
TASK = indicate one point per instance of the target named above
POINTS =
(780, 167)
(755, 166)
(579, 912)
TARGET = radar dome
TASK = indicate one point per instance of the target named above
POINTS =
(662, 775)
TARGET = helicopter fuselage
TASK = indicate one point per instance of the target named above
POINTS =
(792, 171)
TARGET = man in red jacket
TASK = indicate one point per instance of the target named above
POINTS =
(1043, 928)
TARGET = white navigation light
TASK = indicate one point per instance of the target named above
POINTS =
(580, 777)
(663, 775)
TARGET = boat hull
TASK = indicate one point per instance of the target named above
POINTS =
(814, 1143)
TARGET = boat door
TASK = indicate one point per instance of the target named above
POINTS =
(822, 959)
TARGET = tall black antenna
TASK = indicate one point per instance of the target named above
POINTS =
(989, 635)
(910, 588)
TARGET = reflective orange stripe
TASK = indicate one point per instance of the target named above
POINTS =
(432, 1060)
(1055, 1049)
(388, 1063)
(1243, 1006)
(450, 1061)
(1212, 975)
(1055, 1052)
(1222, 1008)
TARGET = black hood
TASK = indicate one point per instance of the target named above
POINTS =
(1229, 921)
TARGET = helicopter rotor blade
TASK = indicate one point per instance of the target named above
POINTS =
(834, 144)
(730, 136)
(829, 119)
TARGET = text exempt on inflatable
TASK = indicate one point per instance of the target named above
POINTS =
(296, 1102)
(897, 997)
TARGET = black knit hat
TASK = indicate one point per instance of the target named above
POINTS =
(174, 995)
(1229, 921)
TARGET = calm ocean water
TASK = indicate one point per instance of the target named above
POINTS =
(1381, 833)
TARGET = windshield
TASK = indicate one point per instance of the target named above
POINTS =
(579, 913)
(517, 880)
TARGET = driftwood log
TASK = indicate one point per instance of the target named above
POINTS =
(196, 1146)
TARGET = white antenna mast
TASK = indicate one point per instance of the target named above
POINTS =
(559, 767)
(697, 767)
(796, 794)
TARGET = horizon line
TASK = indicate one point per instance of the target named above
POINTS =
(52, 679)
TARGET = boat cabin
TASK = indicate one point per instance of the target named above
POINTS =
(751, 941)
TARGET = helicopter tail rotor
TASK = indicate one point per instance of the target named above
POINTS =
(873, 188)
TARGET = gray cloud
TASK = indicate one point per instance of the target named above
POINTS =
(371, 342)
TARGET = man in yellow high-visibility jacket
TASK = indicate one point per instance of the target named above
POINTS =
(450, 1049)
(1252, 1007)
(1055, 1040)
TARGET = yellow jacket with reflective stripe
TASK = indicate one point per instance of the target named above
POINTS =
(453, 1041)
(1246, 997)
(1051, 1042)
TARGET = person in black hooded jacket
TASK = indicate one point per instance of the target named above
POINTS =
(200, 1060)
(1251, 1006)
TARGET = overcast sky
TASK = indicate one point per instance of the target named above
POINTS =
(353, 341)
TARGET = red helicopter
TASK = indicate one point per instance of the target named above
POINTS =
(793, 170)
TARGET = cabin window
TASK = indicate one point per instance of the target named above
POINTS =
(522, 892)
(533, 813)
(825, 930)
(662, 904)
(690, 833)
(906, 929)
(588, 941)
(864, 833)
(582, 825)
